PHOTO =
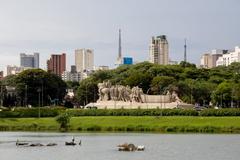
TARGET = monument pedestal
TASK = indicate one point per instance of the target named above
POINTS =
(136, 105)
(124, 97)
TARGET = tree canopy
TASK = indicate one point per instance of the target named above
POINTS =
(194, 85)
(36, 86)
(219, 85)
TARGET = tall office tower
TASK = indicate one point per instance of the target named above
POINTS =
(84, 60)
(158, 50)
(119, 58)
(29, 61)
(57, 64)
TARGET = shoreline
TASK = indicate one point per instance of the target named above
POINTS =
(133, 124)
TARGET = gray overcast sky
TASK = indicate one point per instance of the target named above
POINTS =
(56, 26)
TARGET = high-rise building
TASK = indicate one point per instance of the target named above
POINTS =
(29, 61)
(158, 50)
(209, 60)
(1, 75)
(57, 64)
(84, 59)
(12, 70)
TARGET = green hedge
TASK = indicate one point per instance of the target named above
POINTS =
(53, 112)
(132, 112)
(220, 112)
(154, 112)
(32, 112)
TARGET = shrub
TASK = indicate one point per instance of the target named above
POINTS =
(32, 112)
(63, 120)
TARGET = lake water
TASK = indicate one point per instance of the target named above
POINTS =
(102, 146)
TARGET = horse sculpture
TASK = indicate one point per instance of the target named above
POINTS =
(136, 94)
(107, 91)
(104, 91)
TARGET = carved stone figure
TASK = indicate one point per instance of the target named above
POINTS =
(136, 94)
(175, 97)
(107, 91)
(127, 94)
(121, 90)
(104, 90)
(112, 93)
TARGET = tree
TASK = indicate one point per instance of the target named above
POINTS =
(143, 80)
(185, 90)
(161, 83)
(216, 79)
(33, 84)
(202, 91)
(72, 85)
(102, 75)
(8, 99)
(63, 120)
(9, 80)
(187, 64)
(236, 94)
(87, 91)
(190, 73)
(193, 85)
(234, 67)
(166, 70)
(223, 94)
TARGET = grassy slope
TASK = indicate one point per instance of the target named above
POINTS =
(154, 124)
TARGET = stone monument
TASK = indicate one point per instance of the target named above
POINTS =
(119, 96)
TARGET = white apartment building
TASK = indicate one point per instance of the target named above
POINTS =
(69, 76)
(84, 60)
(101, 68)
(227, 59)
(158, 50)
(13, 70)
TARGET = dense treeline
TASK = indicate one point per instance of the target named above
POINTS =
(33, 87)
(217, 87)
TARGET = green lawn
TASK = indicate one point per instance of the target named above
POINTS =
(123, 124)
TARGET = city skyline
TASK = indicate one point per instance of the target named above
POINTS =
(42, 27)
